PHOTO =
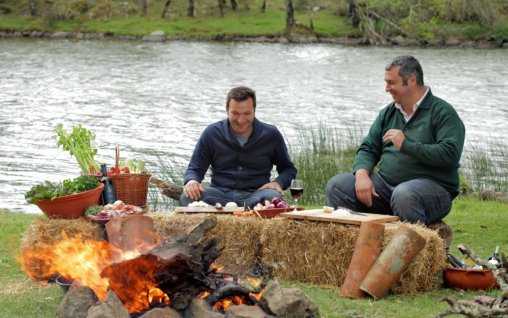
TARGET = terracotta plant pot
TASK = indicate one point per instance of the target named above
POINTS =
(70, 206)
(475, 279)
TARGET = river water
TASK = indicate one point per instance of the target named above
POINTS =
(154, 99)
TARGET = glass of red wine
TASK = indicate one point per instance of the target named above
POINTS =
(296, 190)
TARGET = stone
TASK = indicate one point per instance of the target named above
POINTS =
(505, 45)
(287, 302)
(156, 36)
(199, 308)
(165, 312)
(397, 40)
(245, 311)
(111, 307)
(61, 35)
(452, 41)
(76, 302)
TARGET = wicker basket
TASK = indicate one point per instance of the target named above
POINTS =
(131, 188)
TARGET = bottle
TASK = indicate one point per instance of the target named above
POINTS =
(494, 259)
(468, 261)
(454, 261)
(108, 194)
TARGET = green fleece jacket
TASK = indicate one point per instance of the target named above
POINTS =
(434, 139)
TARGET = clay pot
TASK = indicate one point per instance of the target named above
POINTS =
(367, 249)
(392, 262)
(70, 206)
(475, 279)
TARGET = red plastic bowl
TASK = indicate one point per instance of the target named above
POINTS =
(475, 279)
(70, 206)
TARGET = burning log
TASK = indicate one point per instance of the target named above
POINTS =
(484, 306)
(176, 268)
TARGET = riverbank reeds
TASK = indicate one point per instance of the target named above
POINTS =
(325, 151)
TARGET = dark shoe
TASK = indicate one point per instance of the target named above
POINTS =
(444, 231)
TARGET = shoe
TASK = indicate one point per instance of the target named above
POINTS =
(444, 231)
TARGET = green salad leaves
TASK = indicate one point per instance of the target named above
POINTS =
(51, 190)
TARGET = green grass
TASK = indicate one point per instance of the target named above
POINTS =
(19, 296)
(479, 225)
(329, 19)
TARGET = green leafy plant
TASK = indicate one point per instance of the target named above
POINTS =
(51, 190)
(79, 144)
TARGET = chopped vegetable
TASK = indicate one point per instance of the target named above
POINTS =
(78, 144)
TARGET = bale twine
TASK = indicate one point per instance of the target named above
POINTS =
(240, 236)
(40, 237)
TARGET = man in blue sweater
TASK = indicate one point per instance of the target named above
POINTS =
(241, 151)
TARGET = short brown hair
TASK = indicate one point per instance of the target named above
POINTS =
(240, 94)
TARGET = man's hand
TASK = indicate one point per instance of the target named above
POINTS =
(272, 185)
(193, 189)
(395, 136)
(364, 187)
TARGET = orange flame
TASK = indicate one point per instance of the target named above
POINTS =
(225, 303)
(84, 260)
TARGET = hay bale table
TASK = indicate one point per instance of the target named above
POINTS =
(304, 251)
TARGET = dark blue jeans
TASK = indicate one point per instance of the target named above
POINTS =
(418, 200)
(222, 195)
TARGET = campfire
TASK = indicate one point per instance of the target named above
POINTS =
(145, 273)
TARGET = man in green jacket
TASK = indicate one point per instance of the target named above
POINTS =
(417, 142)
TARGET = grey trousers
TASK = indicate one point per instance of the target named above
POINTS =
(418, 200)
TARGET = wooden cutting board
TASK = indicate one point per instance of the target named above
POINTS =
(184, 209)
(319, 215)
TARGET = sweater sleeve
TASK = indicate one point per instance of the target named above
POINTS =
(369, 152)
(446, 152)
(200, 160)
(285, 167)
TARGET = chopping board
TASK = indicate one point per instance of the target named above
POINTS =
(211, 209)
(319, 215)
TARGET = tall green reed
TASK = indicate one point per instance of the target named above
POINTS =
(325, 151)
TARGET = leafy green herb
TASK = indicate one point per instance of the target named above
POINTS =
(51, 190)
(94, 209)
(78, 144)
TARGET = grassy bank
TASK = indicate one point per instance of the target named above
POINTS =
(477, 224)
(436, 21)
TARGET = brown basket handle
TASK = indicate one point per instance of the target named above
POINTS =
(117, 159)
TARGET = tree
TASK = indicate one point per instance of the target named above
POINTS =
(290, 16)
(353, 13)
(263, 6)
(234, 5)
(143, 7)
(166, 8)
(190, 8)
(33, 8)
(222, 4)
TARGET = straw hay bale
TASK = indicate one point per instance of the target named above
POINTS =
(320, 253)
(240, 236)
(42, 234)
(305, 251)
